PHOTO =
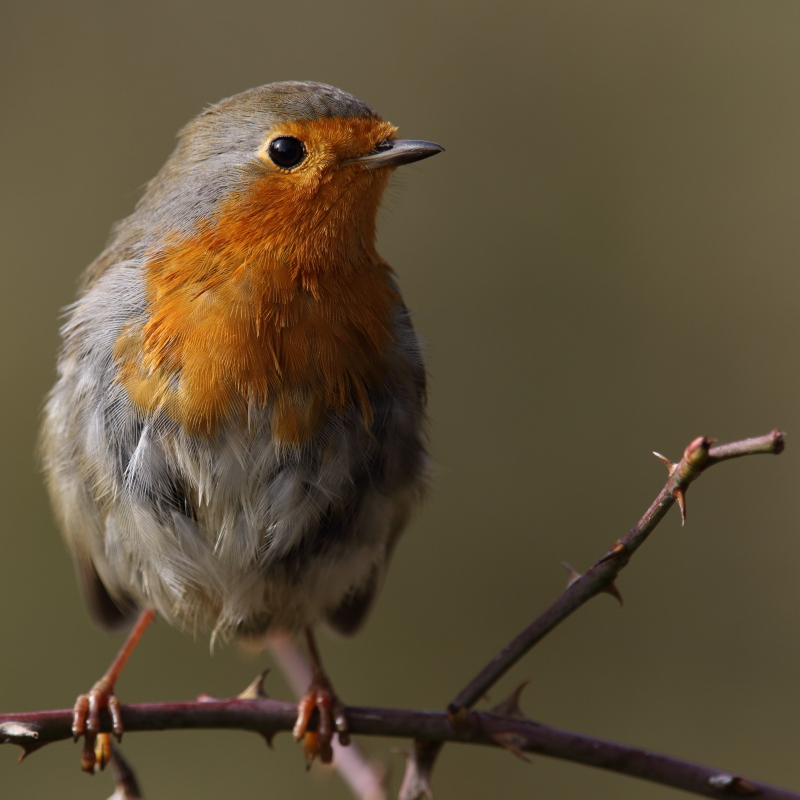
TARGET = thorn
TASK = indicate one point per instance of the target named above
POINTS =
(269, 738)
(24, 734)
(205, 698)
(512, 742)
(255, 690)
(615, 593)
(509, 708)
(671, 465)
(733, 784)
(572, 573)
(679, 493)
(28, 748)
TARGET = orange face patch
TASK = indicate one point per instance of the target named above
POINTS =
(279, 299)
(329, 141)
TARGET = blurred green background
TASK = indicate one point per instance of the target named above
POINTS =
(603, 263)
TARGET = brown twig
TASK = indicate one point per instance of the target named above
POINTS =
(505, 727)
(698, 456)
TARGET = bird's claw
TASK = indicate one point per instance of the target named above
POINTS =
(86, 722)
(332, 720)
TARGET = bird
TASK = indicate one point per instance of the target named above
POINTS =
(236, 437)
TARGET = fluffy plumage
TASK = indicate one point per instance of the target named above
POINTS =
(236, 433)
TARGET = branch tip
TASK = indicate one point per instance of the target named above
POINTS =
(697, 451)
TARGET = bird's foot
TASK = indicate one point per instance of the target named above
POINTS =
(86, 722)
(332, 720)
(86, 711)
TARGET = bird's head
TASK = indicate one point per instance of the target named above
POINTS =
(296, 168)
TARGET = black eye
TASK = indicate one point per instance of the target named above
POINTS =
(286, 151)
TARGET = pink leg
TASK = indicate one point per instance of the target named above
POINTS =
(320, 696)
(86, 712)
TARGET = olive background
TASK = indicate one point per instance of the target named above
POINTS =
(603, 263)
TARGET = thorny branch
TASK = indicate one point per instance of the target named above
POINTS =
(503, 726)
(698, 456)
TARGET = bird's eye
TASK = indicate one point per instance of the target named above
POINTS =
(286, 151)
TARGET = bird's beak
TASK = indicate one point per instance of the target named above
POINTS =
(394, 152)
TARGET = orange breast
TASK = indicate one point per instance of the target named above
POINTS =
(281, 300)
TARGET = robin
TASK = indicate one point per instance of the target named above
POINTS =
(235, 439)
